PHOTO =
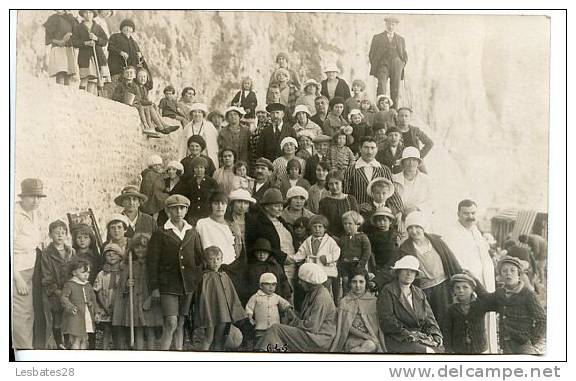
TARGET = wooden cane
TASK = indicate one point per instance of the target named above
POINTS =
(131, 294)
(100, 86)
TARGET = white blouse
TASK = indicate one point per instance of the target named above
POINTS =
(213, 233)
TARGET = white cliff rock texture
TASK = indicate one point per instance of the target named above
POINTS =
(478, 86)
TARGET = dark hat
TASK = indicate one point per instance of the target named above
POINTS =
(262, 244)
(32, 187)
(393, 129)
(463, 278)
(512, 260)
(519, 252)
(391, 19)
(293, 163)
(379, 126)
(199, 161)
(82, 12)
(272, 196)
(169, 88)
(335, 101)
(264, 163)
(197, 139)
(128, 191)
(177, 200)
(275, 107)
(127, 22)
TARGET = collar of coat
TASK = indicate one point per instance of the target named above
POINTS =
(188, 236)
(417, 297)
(55, 254)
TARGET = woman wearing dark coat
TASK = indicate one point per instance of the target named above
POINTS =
(341, 89)
(123, 43)
(406, 317)
(437, 263)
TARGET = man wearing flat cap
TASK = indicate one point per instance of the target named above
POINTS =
(387, 59)
(263, 169)
(274, 133)
(26, 244)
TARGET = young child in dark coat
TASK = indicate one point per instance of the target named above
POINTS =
(153, 186)
(355, 248)
(55, 259)
(262, 262)
(359, 129)
(79, 304)
(383, 238)
(168, 105)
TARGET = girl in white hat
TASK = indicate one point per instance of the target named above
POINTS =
(199, 125)
(303, 123)
(289, 147)
(296, 198)
(311, 90)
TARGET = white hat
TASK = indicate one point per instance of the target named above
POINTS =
(301, 108)
(408, 262)
(411, 152)
(311, 81)
(355, 112)
(153, 160)
(288, 139)
(176, 165)
(384, 96)
(381, 180)
(119, 217)
(268, 278)
(331, 67)
(241, 195)
(384, 211)
(199, 106)
(296, 191)
(416, 218)
(239, 110)
(312, 273)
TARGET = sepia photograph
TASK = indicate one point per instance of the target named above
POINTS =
(333, 182)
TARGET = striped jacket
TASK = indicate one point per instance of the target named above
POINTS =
(356, 182)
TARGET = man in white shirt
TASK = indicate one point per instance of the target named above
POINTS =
(27, 238)
(472, 252)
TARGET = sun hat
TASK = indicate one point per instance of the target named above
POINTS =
(118, 217)
(355, 112)
(301, 108)
(177, 200)
(153, 160)
(312, 273)
(408, 262)
(311, 81)
(296, 191)
(177, 166)
(411, 152)
(268, 278)
(241, 195)
(272, 196)
(384, 211)
(378, 180)
(416, 218)
(130, 191)
(239, 110)
(288, 139)
(32, 187)
(200, 107)
(384, 96)
(331, 67)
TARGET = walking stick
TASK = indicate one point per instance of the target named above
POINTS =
(100, 86)
(131, 276)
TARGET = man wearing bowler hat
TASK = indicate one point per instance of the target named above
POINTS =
(387, 59)
(274, 132)
(27, 239)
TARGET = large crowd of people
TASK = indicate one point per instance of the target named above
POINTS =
(301, 226)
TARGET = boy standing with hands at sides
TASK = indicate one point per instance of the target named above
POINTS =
(264, 307)
(55, 259)
(174, 264)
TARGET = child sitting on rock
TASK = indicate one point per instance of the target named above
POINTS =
(168, 105)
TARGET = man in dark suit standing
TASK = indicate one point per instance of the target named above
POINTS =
(387, 59)
(274, 132)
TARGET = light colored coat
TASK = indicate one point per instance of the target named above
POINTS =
(328, 247)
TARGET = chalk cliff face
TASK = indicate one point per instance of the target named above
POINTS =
(477, 84)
